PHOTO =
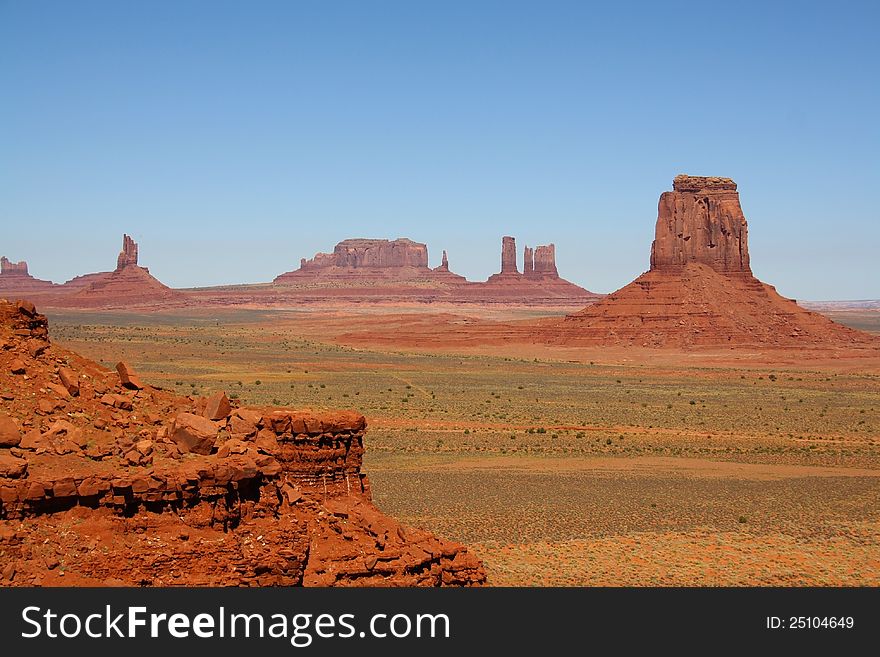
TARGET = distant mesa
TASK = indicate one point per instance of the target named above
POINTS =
(9, 268)
(700, 289)
(15, 276)
(397, 270)
(398, 259)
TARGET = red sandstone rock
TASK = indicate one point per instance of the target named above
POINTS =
(127, 376)
(17, 366)
(444, 263)
(217, 406)
(10, 434)
(528, 261)
(128, 255)
(700, 290)
(14, 277)
(11, 466)
(290, 508)
(194, 433)
(545, 261)
(508, 255)
(9, 268)
(701, 221)
(69, 380)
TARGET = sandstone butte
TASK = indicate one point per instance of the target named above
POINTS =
(151, 488)
(358, 270)
(397, 270)
(700, 289)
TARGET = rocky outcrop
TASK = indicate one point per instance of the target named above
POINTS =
(544, 262)
(528, 261)
(508, 255)
(9, 268)
(700, 290)
(186, 491)
(701, 221)
(129, 254)
(444, 263)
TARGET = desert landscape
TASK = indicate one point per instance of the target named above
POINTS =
(692, 428)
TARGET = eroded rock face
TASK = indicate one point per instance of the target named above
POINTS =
(444, 263)
(545, 261)
(528, 261)
(128, 255)
(14, 277)
(369, 253)
(9, 268)
(257, 497)
(701, 221)
(508, 255)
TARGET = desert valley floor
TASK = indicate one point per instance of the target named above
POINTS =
(560, 465)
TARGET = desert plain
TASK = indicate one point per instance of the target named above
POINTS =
(559, 465)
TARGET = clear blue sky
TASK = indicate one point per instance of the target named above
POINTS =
(233, 138)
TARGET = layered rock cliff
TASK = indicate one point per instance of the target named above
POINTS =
(156, 489)
(701, 220)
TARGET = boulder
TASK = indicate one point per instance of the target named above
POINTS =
(194, 433)
(127, 376)
(10, 434)
(69, 380)
(217, 406)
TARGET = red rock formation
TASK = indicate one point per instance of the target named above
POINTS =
(508, 255)
(257, 497)
(371, 254)
(545, 262)
(701, 221)
(128, 255)
(540, 283)
(379, 259)
(14, 278)
(700, 290)
(444, 263)
(9, 268)
(528, 261)
(129, 285)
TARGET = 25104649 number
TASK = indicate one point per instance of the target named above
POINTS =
(810, 622)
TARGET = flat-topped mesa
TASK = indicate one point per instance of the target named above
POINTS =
(370, 254)
(701, 221)
(9, 268)
(15, 279)
(128, 255)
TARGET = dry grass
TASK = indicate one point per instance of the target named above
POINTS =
(441, 423)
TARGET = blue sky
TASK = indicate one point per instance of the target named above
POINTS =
(233, 138)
